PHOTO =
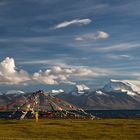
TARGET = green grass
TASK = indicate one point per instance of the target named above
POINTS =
(55, 129)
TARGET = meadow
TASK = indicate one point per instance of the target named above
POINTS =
(66, 129)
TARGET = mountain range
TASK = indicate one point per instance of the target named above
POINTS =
(115, 94)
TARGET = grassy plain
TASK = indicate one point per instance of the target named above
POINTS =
(61, 129)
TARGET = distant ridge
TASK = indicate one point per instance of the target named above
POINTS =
(116, 94)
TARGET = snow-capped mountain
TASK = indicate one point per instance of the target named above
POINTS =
(10, 97)
(115, 94)
(100, 93)
(56, 92)
(15, 92)
(121, 86)
(124, 87)
(80, 90)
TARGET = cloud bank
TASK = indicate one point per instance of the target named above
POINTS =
(9, 74)
(73, 22)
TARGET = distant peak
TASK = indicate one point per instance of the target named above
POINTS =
(82, 88)
(15, 92)
(56, 92)
(120, 85)
(113, 80)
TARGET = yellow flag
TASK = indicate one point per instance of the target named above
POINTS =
(36, 117)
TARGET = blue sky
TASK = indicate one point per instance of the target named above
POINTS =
(58, 43)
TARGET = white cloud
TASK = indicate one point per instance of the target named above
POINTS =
(136, 74)
(118, 47)
(9, 74)
(93, 36)
(72, 22)
(119, 57)
(55, 75)
(50, 62)
(58, 74)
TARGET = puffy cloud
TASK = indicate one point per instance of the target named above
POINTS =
(9, 74)
(93, 36)
(72, 22)
(44, 78)
(55, 75)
